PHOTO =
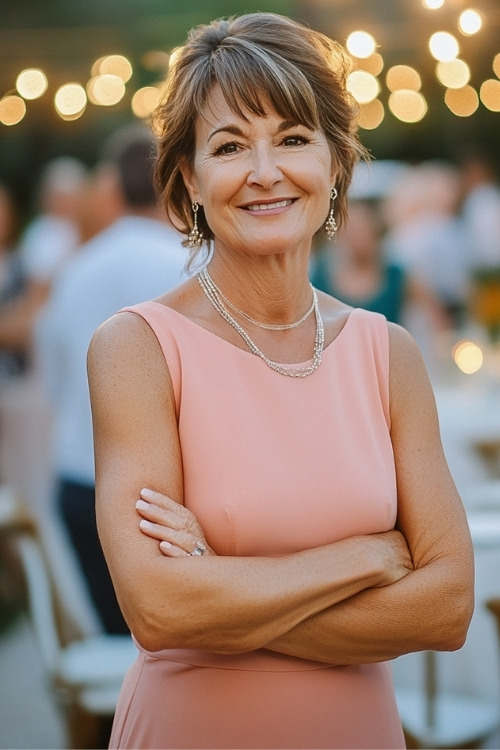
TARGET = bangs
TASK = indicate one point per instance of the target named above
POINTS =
(256, 81)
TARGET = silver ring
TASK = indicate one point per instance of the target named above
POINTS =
(199, 549)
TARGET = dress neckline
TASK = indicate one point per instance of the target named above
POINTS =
(210, 333)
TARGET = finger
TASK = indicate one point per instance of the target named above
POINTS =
(171, 550)
(158, 498)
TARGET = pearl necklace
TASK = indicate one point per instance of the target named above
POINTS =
(214, 296)
(267, 326)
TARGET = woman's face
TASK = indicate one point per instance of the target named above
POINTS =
(264, 183)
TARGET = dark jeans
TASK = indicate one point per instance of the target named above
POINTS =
(76, 503)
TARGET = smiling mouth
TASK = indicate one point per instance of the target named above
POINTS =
(268, 206)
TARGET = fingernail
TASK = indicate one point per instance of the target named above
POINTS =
(166, 545)
(145, 492)
(142, 505)
(145, 524)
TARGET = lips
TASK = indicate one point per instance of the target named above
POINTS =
(268, 206)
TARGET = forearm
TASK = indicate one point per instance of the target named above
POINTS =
(231, 605)
(428, 609)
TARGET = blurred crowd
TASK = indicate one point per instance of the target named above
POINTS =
(417, 240)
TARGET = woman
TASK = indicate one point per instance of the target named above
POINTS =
(285, 442)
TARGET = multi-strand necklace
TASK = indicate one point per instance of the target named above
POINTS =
(216, 297)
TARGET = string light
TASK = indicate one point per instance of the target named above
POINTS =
(110, 77)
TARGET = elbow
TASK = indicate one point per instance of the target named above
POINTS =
(452, 633)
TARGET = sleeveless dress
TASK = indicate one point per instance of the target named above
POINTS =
(271, 465)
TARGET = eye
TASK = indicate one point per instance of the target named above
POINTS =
(295, 140)
(226, 148)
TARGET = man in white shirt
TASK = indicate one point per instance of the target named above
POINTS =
(138, 257)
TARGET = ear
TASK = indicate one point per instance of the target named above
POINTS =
(190, 180)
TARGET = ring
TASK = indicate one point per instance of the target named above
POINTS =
(199, 549)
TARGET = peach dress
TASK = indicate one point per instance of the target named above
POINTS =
(272, 465)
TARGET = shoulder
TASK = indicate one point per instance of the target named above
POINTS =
(126, 345)
(409, 381)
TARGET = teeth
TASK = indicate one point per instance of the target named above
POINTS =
(268, 206)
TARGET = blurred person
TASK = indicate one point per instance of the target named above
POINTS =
(130, 260)
(355, 269)
(481, 209)
(272, 494)
(426, 235)
(12, 280)
(46, 243)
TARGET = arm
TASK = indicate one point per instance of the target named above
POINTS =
(224, 604)
(431, 607)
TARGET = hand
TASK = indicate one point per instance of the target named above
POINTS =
(173, 525)
(396, 557)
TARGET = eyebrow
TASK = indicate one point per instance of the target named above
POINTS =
(236, 130)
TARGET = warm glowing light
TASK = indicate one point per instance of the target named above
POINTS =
(489, 94)
(12, 109)
(155, 60)
(454, 74)
(373, 64)
(105, 90)
(433, 4)
(363, 86)
(360, 44)
(468, 357)
(145, 101)
(31, 83)
(403, 77)
(496, 65)
(443, 46)
(70, 100)
(174, 56)
(470, 22)
(408, 106)
(462, 102)
(371, 115)
(116, 65)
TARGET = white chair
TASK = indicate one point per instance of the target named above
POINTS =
(433, 718)
(85, 674)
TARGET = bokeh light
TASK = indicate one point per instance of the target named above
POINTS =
(489, 93)
(70, 101)
(462, 102)
(496, 65)
(470, 22)
(31, 83)
(433, 4)
(12, 109)
(373, 64)
(105, 90)
(371, 115)
(408, 106)
(363, 86)
(403, 77)
(116, 65)
(454, 74)
(468, 357)
(443, 46)
(360, 44)
(145, 100)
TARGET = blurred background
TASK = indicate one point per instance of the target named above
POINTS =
(98, 63)
(80, 77)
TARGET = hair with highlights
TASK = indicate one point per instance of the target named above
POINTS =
(258, 60)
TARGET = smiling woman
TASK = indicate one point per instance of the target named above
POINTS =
(272, 497)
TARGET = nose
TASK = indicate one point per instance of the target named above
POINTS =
(264, 170)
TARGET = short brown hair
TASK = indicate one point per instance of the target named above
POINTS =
(256, 59)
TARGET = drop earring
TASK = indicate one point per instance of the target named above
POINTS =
(331, 224)
(195, 238)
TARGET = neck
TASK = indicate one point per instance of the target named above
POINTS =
(274, 296)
